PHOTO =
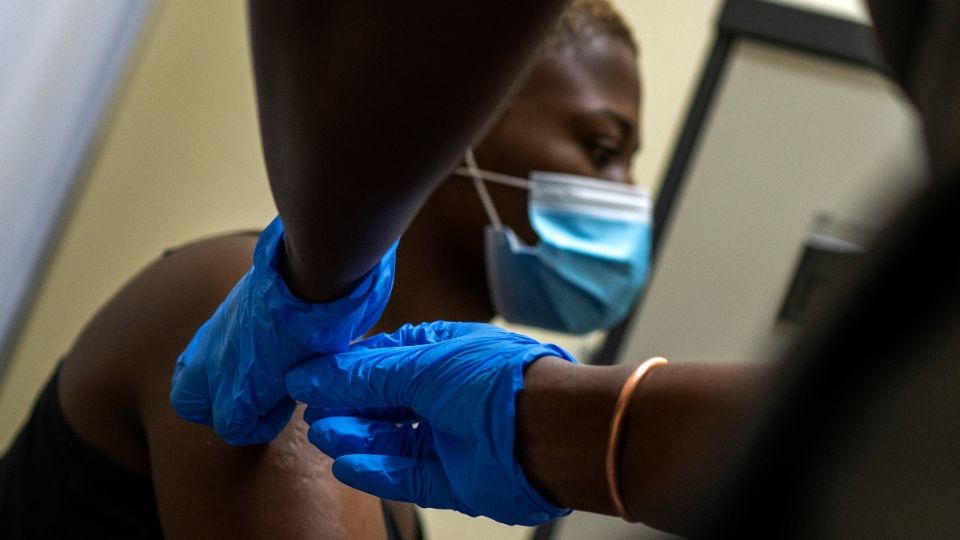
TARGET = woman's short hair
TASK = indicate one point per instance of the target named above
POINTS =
(587, 19)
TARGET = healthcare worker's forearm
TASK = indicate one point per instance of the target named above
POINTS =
(682, 423)
(366, 105)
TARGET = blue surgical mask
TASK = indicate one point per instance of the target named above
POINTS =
(592, 258)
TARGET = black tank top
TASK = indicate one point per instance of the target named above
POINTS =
(54, 485)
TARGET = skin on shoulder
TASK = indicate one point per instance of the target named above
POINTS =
(114, 386)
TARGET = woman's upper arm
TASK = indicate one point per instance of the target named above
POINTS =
(205, 488)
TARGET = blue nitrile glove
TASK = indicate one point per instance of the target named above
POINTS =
(460, 380)
(231, 375)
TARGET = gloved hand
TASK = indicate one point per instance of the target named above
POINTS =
(231, 375)
(460, 380)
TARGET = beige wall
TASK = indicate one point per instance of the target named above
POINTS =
(182, 160)
(674, 37)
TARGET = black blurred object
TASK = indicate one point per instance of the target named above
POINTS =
(899, 24)
(861, 437)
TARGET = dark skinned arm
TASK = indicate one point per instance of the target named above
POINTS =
(680, 430)
(113, 388)
(920, 43)
(365, 106)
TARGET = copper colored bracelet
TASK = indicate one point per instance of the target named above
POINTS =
(616, 431)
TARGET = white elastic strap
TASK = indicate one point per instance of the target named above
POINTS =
(496, 178)
(482, 191)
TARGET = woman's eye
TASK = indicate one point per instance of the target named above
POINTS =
(602, 152)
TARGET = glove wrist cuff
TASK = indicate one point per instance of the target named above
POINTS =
(319, 327)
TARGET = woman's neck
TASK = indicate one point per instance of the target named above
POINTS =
(429, 288)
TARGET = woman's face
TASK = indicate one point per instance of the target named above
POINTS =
(578, 113)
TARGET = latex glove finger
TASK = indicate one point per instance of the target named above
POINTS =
(390, 414)
(344, 435)
(265, 428)
(421, 334)
(361, 379)
(190, 390)
(193, 398)
(421, 482)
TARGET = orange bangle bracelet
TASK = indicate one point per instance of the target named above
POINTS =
(616, 431)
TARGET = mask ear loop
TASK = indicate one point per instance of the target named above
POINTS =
(481, 188)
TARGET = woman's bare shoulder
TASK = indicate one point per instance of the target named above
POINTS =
(131, 343)
(114, 389)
